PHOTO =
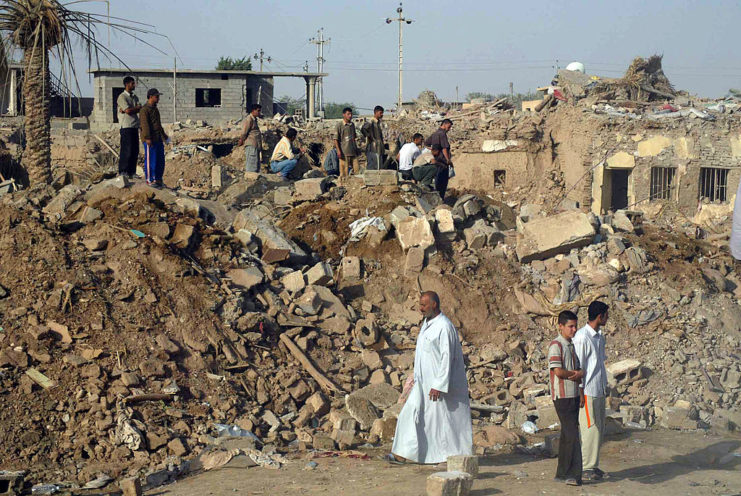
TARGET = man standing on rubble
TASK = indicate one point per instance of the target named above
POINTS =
(153, 137)
(440, 138)
(344, 141)
(373, 133)
(589, 344)
(252, 136)
(128, 107)
(435, 422)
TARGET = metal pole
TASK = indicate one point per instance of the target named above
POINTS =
(401, 58)
(320, 89)
(175, 91)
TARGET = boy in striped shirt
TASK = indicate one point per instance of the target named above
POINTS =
(565, 374)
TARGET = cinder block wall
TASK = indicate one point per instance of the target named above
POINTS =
(237, 93)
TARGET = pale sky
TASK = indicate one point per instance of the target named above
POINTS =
(472, 45)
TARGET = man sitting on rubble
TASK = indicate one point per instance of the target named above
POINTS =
(425, 172)
(407, 155)
(435, 422)
(283, 160)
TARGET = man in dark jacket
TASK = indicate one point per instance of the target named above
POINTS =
(440, 138)
(154, 137)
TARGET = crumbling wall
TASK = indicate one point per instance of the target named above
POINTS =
(483, 171)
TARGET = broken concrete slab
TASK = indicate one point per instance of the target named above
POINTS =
(415, 260)
(351, 269)
(624, 372)
(246, 278)
(331, 303)
(545, 237)
(464, 463)
(320, 274)
(56, 208)
(184, 236)
(444, 224)
(310, 189)
(429, 200)
(309, 302)
(294, 281)
(417, 232)
(269, 235)
(449, 484)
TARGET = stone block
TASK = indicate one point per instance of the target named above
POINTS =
(364, 405)
(428, 201)
(475, 239)
(270, 236)
(320, 274)
(183, 237)
(621, 222)
(378, 377)
(310, 189)
(351, 269)
(131, 487)
(189, 206)
(415, 232)
(294, 281)
(90, 214)
(320, 441)
(380, 178)
(464, 463)
(341, 420)
(398, 214)
(445, 225)
(384, 428)
(415, 260)
(546, 237)
(318, 404)
(371, 358)
(547, 417)
(217, 177)
(449, 484)
(344, 439)
(679, 418)
(95, 244)
(624, 372)
(309, 302)
(246, 278)
(282, 196)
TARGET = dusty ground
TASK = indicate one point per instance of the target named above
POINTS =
(655, 463)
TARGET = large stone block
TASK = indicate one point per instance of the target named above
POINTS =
(310, 189)
(445, 225)
(351, 269)
(269, 235)
(464, 463)
(246, 278)
(414, 231)
(545, 237)
(415, 260)
(380, 178)
(624, 372)
(449, 484)
(293, 282)
(320, 274)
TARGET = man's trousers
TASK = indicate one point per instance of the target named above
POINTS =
(129, 151)
(591, 427)
(569, 447)
(154, 161)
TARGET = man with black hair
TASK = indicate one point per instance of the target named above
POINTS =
(283, 160)
(407, 155)
(440, 138)
(344, 141)
(565, 375)
(426, 173)
(375, 149)
(252, 136)
(153, 136)
(128, 107)
(589, 344)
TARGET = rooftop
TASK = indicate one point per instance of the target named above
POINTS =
(114, 70)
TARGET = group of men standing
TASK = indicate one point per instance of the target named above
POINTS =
(141, 123)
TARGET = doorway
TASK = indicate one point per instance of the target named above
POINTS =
(619, 179)
(116, 93)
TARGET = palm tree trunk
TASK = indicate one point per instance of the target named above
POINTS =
(36, 96)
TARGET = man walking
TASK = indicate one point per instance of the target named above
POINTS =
(565, 376)
(344, 141)
(589, 344)
(283, 160)
(440, 138)
(153, 136)
(375, 149)
(407, 155)
(128, 107)
(252, 136)
(435, 421)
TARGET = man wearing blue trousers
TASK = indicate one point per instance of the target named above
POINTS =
(153, 136)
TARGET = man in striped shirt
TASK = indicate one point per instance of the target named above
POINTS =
(565, 375)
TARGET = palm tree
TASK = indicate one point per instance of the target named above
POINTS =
(42, 28)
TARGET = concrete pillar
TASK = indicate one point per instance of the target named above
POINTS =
(310, 90)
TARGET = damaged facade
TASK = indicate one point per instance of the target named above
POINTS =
(212, 96)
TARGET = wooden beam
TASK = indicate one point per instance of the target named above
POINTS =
(325, 383)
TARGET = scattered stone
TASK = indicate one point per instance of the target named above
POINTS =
(415, 232)
(415, 260)
(320, 274)
(131, 487)
(449, 484)
(294, 281)
(548, 236)
(310, 189)
(464, 463)
(95, 244)
(351, 269)
(183, 237)
(177, 447)
(380, 178)
(246, 278)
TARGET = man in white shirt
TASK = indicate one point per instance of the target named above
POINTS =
(407, 155)
(435, 421)
(589, 344)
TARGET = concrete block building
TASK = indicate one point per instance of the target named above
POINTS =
(210, 95)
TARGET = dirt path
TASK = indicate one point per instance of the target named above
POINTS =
(650, 463)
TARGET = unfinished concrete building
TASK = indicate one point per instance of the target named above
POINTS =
(211, 95)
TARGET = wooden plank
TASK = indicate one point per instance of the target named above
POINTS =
(40, 378)
(325, 383)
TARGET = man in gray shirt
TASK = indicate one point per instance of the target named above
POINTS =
(252, 136)
(373, 133)
(128, 109)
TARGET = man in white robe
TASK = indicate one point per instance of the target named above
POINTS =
(435, 421)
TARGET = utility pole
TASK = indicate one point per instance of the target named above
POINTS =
(262, 57)
(401, 21)
(512, 91)
(319, 41)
